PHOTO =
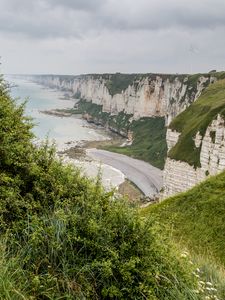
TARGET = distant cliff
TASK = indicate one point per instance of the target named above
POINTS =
(139, 95)
(196, 142)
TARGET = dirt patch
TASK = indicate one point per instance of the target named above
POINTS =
(79, 151)
(129, 190)
(114, 141)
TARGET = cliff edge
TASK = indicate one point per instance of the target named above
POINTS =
(196, 142)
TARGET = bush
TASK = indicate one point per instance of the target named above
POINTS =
(101, 249)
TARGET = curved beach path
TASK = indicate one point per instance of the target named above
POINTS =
(146, 177)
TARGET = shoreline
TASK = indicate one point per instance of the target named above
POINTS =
(56, 113)
(78, 152)
(141, 178)
(146, 177)
(126, 188)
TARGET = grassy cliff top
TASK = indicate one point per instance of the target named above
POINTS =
(118, 82)
(197, 117)
(197, 217)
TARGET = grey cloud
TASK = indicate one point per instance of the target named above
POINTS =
(160, 14)
(86, 36)
(76, 18)
(41, 21)
(90, 5)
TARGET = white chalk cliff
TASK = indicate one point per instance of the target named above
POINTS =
(149, 96)
(180, 176)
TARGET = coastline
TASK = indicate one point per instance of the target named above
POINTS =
(115, 176)
(78, 155)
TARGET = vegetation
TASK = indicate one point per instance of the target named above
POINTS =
(94, 110)
(64, 237)
(149, 141)
(119, 82)
(197, 117)
(195, 221)
(149, 134)
(196, 217)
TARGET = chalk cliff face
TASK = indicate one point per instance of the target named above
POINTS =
(180, 176)
(148, 96)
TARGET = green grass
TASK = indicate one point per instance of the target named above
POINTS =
(197, 218)
(197, 117)
(119, 82)
(12, 285)
(195, 221)
(94, 110)
(149, 141)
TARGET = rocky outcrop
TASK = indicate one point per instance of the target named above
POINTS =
(146, 96)
(172, 137)
(180, 176)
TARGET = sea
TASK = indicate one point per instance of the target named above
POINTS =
(62, 131)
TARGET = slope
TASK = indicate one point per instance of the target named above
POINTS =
(197, 218)
(197, 117)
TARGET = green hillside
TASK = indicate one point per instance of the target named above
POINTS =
(197, 218)
(149, 141)
(197, 117)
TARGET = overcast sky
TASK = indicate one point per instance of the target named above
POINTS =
(96, 36)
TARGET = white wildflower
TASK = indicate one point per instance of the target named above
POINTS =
(183, 255)
(209, 283)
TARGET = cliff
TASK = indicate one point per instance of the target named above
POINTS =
(139, 95)
(196, 142)
(126, 103)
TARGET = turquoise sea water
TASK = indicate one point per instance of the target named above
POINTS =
(61, 130)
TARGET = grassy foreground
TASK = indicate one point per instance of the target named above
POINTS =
(197, 217)
(196, 221)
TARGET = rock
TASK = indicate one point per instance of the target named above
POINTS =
(172, 137)
(151, 95)
(179, 176)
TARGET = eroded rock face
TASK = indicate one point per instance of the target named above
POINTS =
(172, 137)
(158, 95)
(180, 176)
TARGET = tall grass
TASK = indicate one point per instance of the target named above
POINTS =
(13, 281)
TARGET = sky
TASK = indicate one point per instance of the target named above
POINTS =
(107, 36)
